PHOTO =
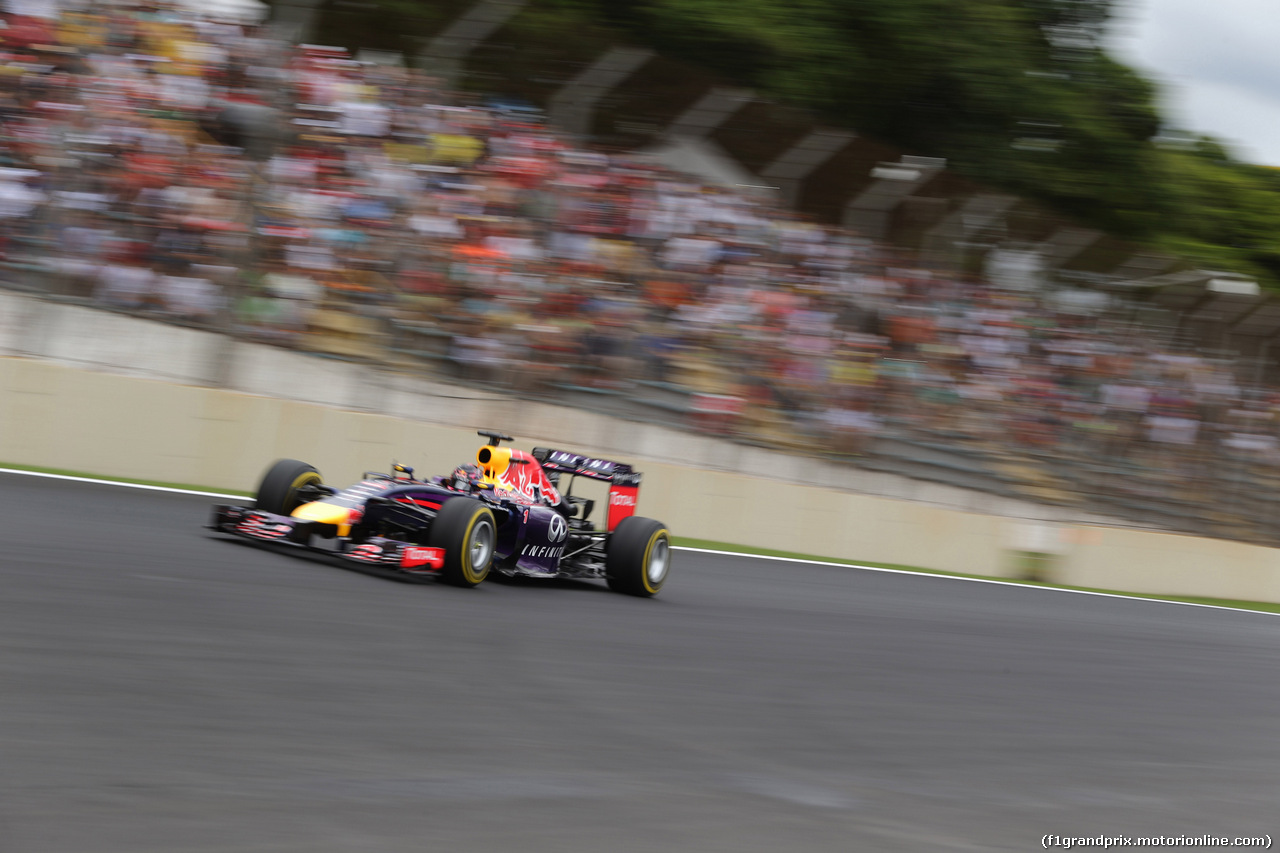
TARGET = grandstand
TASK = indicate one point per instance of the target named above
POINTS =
(810, 291)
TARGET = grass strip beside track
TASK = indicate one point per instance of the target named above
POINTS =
(726, 547)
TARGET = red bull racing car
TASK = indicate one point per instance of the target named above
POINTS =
(505, 513)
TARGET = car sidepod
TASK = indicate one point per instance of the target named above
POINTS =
(542, 545)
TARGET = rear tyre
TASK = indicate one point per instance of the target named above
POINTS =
(639, 556)
(278, 491)
(467, 532)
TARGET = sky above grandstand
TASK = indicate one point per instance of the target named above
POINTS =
(1217, 64)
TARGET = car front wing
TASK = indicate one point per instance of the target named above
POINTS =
(268, 527)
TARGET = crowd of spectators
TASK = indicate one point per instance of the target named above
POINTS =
(475, 234)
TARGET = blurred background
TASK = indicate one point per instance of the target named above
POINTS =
(952, 241)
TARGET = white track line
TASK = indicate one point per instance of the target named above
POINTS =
(996, 581)
(96, 481)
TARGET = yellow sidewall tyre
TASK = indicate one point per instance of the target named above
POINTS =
(278, 490)
(639, 557)
(468, 532)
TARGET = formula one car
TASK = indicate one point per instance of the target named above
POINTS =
(505, 514)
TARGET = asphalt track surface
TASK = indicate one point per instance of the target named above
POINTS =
(166, 689)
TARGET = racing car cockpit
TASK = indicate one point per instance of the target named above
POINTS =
(465, 478)
(505, 473)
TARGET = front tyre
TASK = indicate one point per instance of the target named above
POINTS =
(278, 491)
(639, 556)
(467, 532)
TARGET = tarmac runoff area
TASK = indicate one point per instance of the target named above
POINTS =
(167, 689)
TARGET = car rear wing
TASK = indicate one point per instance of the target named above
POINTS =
(624, 482)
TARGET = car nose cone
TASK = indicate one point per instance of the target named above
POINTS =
(325, 513)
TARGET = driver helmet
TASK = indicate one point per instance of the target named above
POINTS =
(465, 478)
(401, 472)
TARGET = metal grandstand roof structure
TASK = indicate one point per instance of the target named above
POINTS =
(1229, 302)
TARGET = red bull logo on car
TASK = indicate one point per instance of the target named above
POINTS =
(516, 474)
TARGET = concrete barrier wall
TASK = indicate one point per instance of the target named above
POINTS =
(147, 412)
(1114, 558)
(61, 417)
